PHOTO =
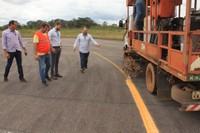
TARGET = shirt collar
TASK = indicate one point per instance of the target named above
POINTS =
(55, 29)
(11, 30)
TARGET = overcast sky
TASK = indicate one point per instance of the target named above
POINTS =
(26, 10)
(99, 10)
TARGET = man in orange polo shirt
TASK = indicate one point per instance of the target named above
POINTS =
(42, 49)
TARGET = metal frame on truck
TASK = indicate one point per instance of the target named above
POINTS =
(175, 51)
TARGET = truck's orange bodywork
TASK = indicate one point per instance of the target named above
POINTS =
(181, 63)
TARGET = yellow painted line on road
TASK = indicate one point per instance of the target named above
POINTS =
(146, 116)
(111, 63)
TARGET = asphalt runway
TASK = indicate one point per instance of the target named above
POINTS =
(98, 101)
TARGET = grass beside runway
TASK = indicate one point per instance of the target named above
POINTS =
(112, 33)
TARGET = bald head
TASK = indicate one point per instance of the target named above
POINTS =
(85, 31)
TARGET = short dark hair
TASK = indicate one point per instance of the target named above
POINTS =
(58, 23)
(43, 25)
(12, 22)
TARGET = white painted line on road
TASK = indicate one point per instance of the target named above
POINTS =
(146, 116)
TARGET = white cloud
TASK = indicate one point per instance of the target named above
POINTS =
(17, 1)
(31, 10)
(26, 10)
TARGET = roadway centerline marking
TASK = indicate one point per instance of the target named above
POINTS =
(144, 113)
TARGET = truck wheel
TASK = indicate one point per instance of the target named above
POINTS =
(179, 94)
(151, 79)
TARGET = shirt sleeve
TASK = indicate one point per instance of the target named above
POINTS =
(93, 41)
(50, 37)
(4, 41)
(60, 36)
(35, 39)
(77, 42)
(20, 40)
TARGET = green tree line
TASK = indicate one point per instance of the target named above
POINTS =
(74, 23)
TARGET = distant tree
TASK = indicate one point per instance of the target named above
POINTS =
(30, 24)
(74, 23)
(19, 26)
(105, 24)
(4, 27)
(52, 22)
(114, 25)
(34, 24)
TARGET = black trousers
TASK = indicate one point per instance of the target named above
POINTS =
(18, 56)
(84, 59)
(55, 57)
(140, 27)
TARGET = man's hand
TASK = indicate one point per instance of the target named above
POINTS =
(74, 49)
(53, 50)
(98, 45)
(7, 55)
(25, 52)
(36, 57)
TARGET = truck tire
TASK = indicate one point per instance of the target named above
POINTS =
(180, 95)
(151, 78)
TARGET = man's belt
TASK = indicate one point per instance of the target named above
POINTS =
(56, 46)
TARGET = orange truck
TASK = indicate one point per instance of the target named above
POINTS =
(170, 48)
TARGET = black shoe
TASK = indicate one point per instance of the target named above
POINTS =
(23, 80)
(58, 76)
(5, 79)
(48, 78)
(82, 70)
(54, 78)
(44, 83)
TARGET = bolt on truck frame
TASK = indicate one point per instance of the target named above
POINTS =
(170, 48)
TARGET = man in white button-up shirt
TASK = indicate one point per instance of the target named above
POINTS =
(83, 41)
(55, 40)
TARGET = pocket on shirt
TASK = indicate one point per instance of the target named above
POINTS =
(9, 38)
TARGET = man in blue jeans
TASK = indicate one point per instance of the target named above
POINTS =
(42, 49)
(139, 14)
(83, 41)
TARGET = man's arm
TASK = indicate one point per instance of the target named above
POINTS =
(93, 41)
(35, 51)
(35, 42)
(20, 40)
(53, 49)
(6, 53)
(21, 43)
(76, 43)
(50, 34)
(4, 41)
(60, 40)
(4, 45)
